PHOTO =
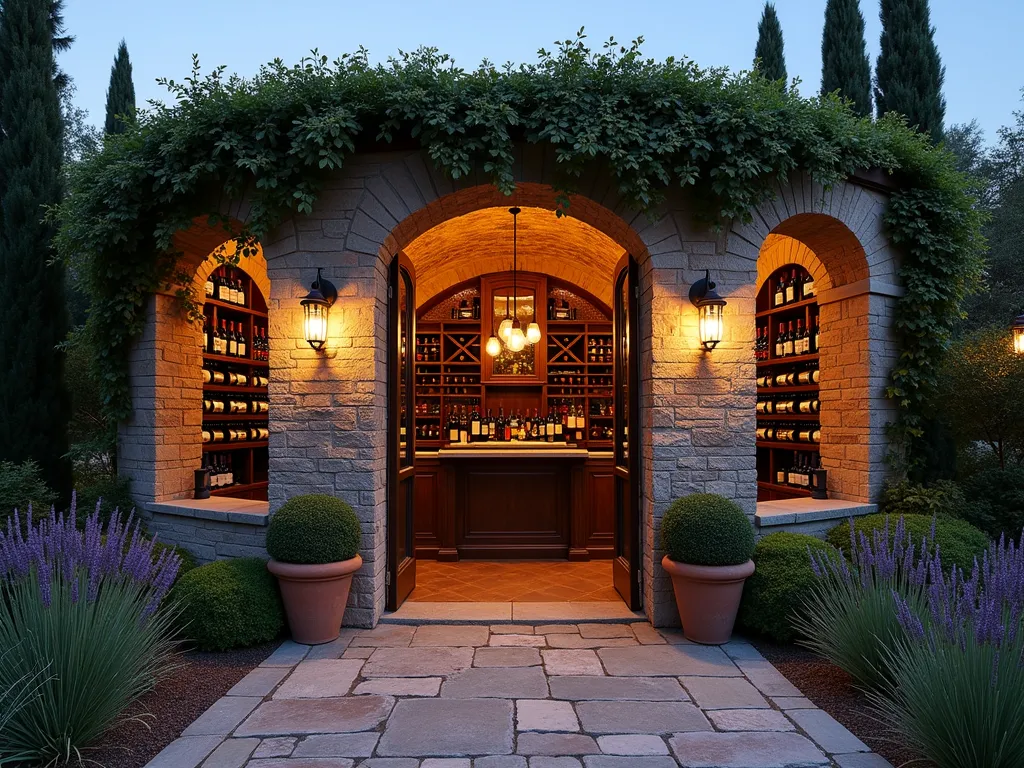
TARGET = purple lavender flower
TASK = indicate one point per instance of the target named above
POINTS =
(56, 553)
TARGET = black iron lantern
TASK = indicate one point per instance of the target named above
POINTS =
(710, 306)
(316, 306)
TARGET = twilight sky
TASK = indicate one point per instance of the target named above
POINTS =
(978, 39)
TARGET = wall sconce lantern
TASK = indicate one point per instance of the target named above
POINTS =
(1018, 335)
(316, 306)
(709, 311)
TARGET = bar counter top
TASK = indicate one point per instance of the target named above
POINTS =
(507, 450)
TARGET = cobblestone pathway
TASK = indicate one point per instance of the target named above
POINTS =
(514, 696)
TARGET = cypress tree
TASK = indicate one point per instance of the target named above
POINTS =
(34, 404)
(121, 92)
(909, 72)
(844, 56)
(768, 56)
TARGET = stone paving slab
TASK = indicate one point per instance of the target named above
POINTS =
(668, 660)
(185, 752)
(497, 682)
(417, 662)
(448, 727)
(337, 745)
(640, 717)
(613, 695)
(746, 750)
(320, 679)
(506, 657)
(280, 717)
(222, 717)
(576, 688)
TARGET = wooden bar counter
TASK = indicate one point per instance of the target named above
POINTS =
(509, 500)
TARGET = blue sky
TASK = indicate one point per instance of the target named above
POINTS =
(978, 39)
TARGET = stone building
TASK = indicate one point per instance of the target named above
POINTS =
(329, 423)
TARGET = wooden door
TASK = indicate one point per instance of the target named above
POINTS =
(401, 573)
(626, 563)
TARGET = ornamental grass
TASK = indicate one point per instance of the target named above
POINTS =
(849, 617)
(86, 630)
(957, 691)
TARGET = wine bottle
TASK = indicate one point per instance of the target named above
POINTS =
(242, 344)
(799, 339)
(779, 297)
(780, 341)
(791, 289)
(808, 286)
(474, 427)
(789, 346)
(814, 335)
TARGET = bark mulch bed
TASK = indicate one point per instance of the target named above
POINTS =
(831, 689)
(174, 704)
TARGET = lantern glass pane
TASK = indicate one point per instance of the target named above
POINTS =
(1018, 339)
(315, 324)
(711, 325)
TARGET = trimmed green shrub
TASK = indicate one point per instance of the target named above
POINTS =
(22, 484)
(997, 501)
(959, 542)
(229, 604)
(312, 530)
(706, 529)
(110, 492)
(779, 587)
(945, 498)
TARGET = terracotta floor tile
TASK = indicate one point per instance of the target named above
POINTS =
(509, 581)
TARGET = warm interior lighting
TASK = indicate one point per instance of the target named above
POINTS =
(533, 333)
(516, 339)
(505, 329)
(1018, 335)
(493, 346)
(710, 306)
(316, 306)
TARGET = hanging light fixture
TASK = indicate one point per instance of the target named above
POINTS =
(1018, 335)
(316, 305)
(709, 304)
(516, 337)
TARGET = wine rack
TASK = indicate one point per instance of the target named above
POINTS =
(236, 404)
(575, 369)
(788, 404)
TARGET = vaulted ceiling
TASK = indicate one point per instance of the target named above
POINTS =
(479, 243)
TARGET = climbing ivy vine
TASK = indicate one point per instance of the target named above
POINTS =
(652, 125)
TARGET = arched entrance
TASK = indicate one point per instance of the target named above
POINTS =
(574, 497)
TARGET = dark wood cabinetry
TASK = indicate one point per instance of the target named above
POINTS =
(788, 405)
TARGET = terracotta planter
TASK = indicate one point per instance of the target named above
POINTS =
(708, 598)
(315, 597)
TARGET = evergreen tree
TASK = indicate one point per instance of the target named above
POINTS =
(34, 404)
(768, 56)
(121, 92)
(844, 56)
(909, 72)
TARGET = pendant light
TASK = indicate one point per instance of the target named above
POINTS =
(516, 337)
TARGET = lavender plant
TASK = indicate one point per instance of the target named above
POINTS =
(81, 611)
(957, 692)
(848, 617)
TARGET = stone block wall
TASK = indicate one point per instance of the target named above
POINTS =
(206, 534)
(328, 409)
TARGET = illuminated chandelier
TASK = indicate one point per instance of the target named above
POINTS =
(510, 332)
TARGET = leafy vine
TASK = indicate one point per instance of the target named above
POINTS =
(651, 125)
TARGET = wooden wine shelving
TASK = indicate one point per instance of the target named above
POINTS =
(774, 456)
(249, 459)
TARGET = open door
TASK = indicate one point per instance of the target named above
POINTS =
(626, 565)
(401, 573)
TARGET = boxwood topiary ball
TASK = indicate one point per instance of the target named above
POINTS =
(707, 529)
(313, 530)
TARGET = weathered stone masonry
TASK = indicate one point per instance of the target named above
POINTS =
(328, 422)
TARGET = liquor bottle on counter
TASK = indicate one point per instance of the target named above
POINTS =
(463, 427)
(452, 427)
(475, 435)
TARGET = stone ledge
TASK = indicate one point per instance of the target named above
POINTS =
(219, 508)
(806, 510)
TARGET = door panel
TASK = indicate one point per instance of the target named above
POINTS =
(401, 572)
(626, 564)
